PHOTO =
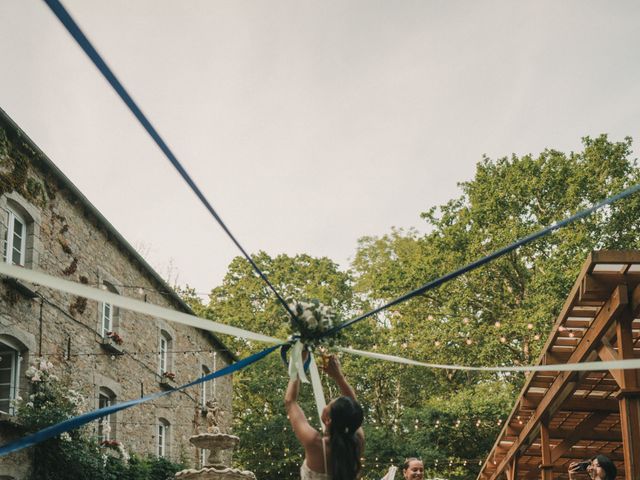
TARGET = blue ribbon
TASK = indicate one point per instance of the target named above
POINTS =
(492, 256)
(283, 354)
(85, 418)
(84, 43)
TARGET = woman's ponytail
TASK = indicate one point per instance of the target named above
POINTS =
(346, 418)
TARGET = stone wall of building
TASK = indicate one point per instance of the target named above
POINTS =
(67, 241)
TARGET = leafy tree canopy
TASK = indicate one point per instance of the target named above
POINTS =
(499, 314)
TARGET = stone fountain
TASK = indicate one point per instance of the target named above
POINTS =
(216, 442)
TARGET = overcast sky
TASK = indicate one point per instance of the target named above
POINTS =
(308, 124)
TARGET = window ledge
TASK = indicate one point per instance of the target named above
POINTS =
(166, 383)
(11, 420)
(110, 346)
(26, 289)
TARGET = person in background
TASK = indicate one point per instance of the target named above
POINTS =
(413, 469)
(335, 453)
(598, 468)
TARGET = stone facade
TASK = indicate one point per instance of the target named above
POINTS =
(65, 236)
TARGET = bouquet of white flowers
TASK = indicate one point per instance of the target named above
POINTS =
(313, 319)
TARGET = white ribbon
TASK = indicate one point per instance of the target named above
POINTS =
(129, 303)
(296, 364)
(318, 393)
(155, 311)
(560, 367)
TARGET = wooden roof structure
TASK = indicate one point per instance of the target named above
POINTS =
(562, 417)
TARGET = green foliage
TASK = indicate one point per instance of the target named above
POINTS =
(456, 429)
(14, 169)
(505, 308)
(499, 314)
(242, 300)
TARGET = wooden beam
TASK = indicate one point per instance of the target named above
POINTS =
(595, 436)
(579, 453)
(578, 433)
(558, 435)
(593, 289)
(565, 383)
(629, 400)
(635, 301)
(590, 405)
(546, 467)
(550, 359)
(511, 471)
(614, 256)
(608, 354)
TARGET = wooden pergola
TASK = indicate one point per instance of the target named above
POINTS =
(561, 417)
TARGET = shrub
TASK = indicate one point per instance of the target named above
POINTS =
(75, 454)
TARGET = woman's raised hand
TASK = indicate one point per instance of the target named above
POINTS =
(331, 366)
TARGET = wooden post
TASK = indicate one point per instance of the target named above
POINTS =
(512, 469)
(629, 400)
(546, 467)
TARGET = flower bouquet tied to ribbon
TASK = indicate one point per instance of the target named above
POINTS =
(312, 320)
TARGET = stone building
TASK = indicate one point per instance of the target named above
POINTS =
(107, 354)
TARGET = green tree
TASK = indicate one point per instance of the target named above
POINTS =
(500, 313)
(268, 446)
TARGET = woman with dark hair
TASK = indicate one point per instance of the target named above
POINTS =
(598, 468)
(334, 455)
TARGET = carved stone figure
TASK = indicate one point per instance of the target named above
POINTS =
(214, 416)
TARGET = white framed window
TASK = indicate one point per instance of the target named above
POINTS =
(19, 231)
(15, 239)
(204, 390)
(9, 376)
(163, 437)
(164, 353)
(106, 424)
(107, 319)
(109, 313)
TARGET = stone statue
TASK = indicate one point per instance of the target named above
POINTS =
(214, 416)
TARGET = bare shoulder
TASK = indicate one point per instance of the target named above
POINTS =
(314, 452)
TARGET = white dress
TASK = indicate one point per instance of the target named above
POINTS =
(307, 474)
